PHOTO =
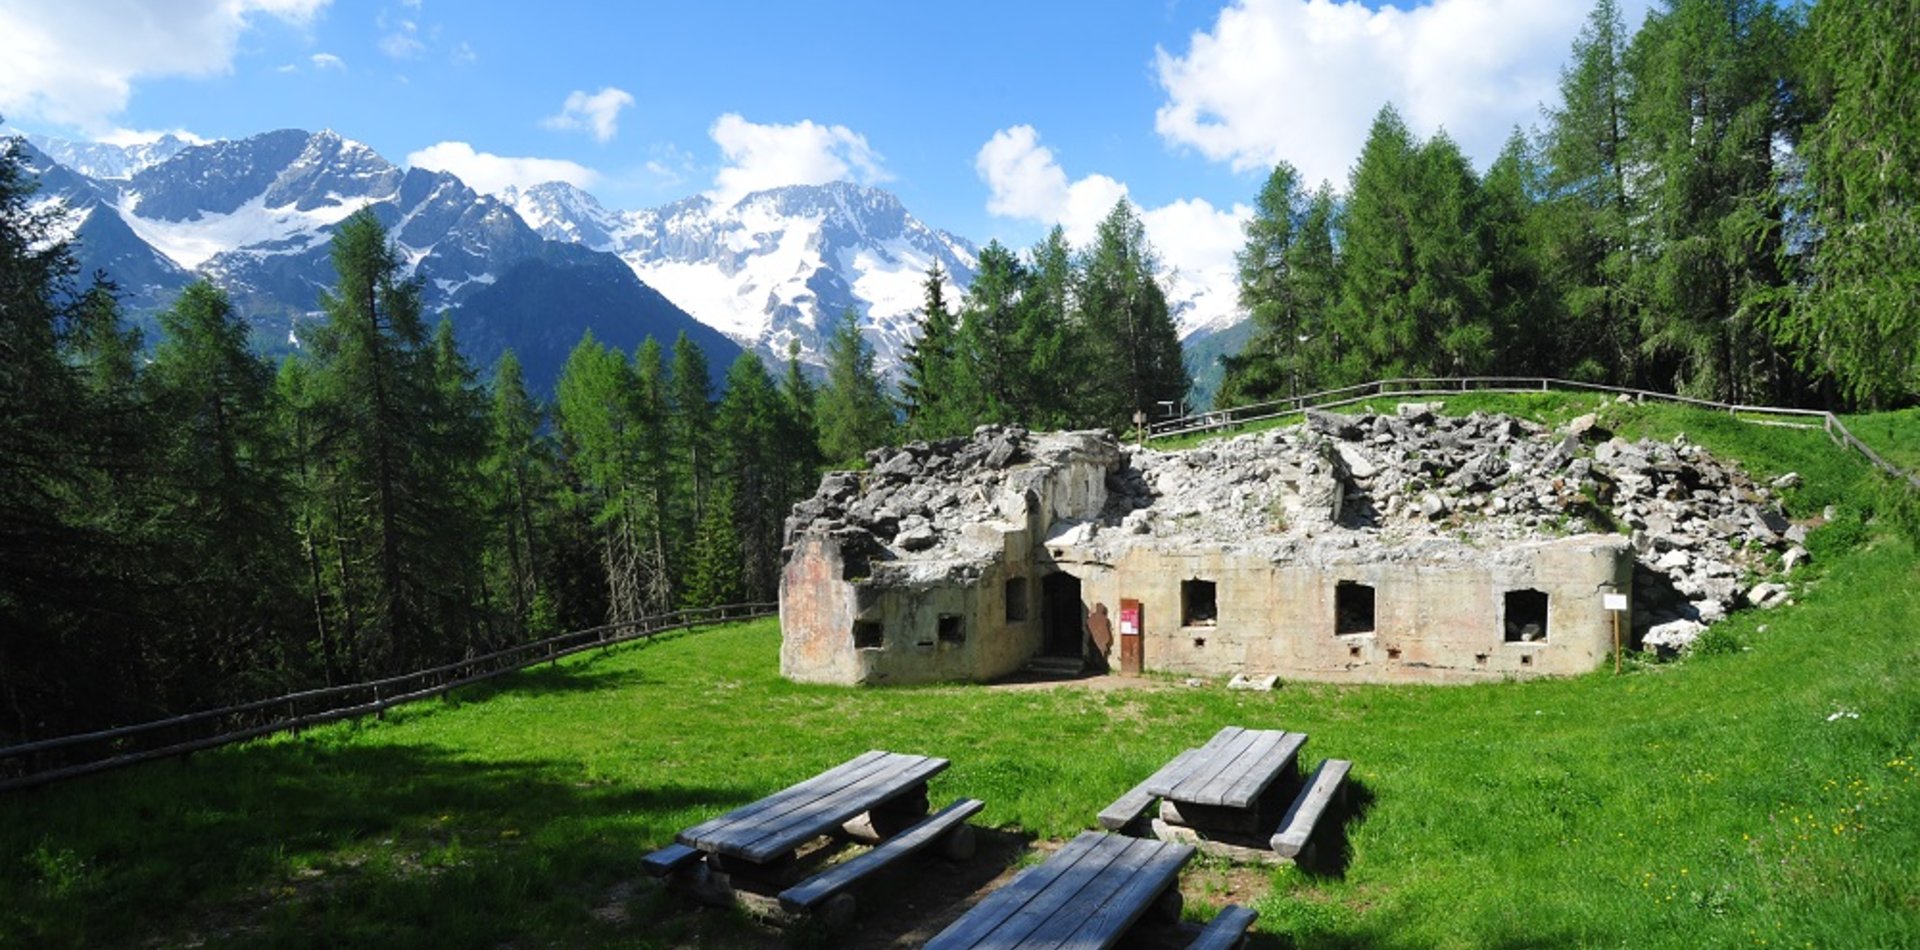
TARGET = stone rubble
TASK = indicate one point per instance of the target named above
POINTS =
(1702, 531)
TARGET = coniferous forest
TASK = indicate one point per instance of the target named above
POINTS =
(1724, 202)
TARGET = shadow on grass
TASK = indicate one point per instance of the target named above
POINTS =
(303, 843)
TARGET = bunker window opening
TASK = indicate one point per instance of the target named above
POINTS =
(1526, 616)
(1198, 606)
(1352, 608)
(1016, 599)
(868, 635)
(952, 629)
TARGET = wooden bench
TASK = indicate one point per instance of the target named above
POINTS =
(1298, 824)
(1228, 929)
(771, 828)
(1127, 808)
(669, 859)
(1087, 895)
(813, 891)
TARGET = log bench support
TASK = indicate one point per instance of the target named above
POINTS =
(825, 893)
(1228, 929)
(1297, 827)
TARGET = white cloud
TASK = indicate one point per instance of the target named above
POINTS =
(1301, 80)
(804, 153)
(492, 174)
(464, 54)
(1195, 240)
(402, 41)
(76, 63)
(324, 61)
(596, 113)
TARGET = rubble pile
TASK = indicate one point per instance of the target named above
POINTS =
(1703, 532)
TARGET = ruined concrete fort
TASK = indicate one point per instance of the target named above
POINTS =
(1404, 547)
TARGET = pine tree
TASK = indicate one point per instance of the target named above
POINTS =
(1523, 316)
(1376, 323)
(1274, 363)
(227, 514)
(515, 474)
(1588, 229)
(1049, 380)
(53, 585)
(1859, 319)
(927, 395)
(377, 407)
(597, 409)
(713, 567)
(661, 488)
(1125, 325)
(689, 409)
(853, 413)
(1708, 109)
(991, 367)
(751, 446)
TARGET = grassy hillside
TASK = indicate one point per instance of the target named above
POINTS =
(1764, 794)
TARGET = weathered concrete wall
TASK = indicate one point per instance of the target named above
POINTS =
(1436, 619)
(820, 612)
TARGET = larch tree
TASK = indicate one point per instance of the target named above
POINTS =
(852, 410)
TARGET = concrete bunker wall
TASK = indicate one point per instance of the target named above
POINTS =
(1433, 620)
(953, 626)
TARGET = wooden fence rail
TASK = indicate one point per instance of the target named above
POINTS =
(1217, 420)
(49, 760)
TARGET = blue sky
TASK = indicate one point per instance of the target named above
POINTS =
(991, 119)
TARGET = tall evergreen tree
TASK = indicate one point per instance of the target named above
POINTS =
(928, 398)
(596, 406)
(751, 444)
(1126, 326)
(991, 369)
(1588, 241)
(690, 424)
(1859, 319)
(662, 490)
(1274, 362)
(516, 479)
(402, 563)
(1051, 376)
(853, 413)
(1710, 84)
(226, 515)
(1524, 318)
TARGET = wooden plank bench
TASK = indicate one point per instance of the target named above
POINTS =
(771, 828)
(1086, 895)
(1228, 929)
(813, 891)
(669, 859)
(1298, 824)
(1127, 808)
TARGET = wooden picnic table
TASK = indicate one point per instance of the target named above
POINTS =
(1233, 770)
(773, 827)
(1087, 895)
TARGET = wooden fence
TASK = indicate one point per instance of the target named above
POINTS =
(1217, 420)
(49, 760)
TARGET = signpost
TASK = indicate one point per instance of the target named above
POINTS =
(1615, 604)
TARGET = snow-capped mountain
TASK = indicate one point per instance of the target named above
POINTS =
(104, 161)
(775, 267)
(257, 215)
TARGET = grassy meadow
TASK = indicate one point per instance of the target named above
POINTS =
(1764, 792)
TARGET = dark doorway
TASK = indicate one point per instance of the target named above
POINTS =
(1064, 615)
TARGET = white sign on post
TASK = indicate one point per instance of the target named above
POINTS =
(1613, 601)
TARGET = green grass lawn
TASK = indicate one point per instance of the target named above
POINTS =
(1766, 794)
